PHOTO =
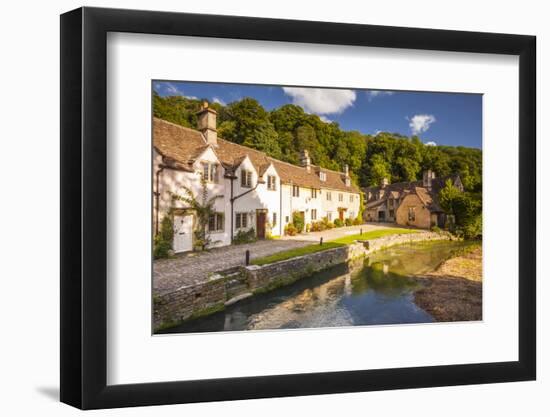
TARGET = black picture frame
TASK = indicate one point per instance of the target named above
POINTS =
(84, 207)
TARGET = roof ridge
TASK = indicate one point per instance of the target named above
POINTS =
(181, 127)
(328, 169)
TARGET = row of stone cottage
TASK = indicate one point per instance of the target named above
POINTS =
(256, 191)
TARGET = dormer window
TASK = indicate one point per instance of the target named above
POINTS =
(246, 178)
(210, 171)
(323, 176)
(271, 182)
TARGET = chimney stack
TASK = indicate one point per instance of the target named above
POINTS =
(207, 124)
(305, 160)
(427, 178)
(346, 170)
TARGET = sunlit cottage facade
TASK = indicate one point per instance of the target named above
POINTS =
(413, 203)
(255, 190)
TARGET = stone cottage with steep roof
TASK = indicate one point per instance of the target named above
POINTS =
(255, 191)
(414, 203)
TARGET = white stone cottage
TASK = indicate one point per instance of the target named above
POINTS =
(257, 191)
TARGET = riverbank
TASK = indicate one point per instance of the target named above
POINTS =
(453, 292)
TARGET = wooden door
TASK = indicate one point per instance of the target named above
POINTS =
(260, 224)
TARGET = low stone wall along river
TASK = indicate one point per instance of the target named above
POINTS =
(226, 288)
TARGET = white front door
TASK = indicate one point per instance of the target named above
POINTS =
(183, 233)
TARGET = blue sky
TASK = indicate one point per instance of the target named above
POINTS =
(440, 118)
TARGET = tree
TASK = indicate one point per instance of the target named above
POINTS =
(379, 169)
(466, 207)
(284, 132)
(203, 207)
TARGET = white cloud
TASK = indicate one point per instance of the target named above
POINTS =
(218, 100)
(172, 89)
(421, 122)
(377, 132)
(321, 100)
(371, 94)
(431, 143)
(325, 119)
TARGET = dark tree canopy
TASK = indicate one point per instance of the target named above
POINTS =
(284, 132)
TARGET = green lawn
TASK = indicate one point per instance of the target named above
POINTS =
(374, 234)
(346, 240)
(281, 256)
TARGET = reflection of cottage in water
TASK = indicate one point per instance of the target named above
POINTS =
(413, 203)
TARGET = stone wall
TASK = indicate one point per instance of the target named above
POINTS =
(232, 286)
(189, 302)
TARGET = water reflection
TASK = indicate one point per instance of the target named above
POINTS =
(377, 290)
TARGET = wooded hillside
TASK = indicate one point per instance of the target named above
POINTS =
(282, 133)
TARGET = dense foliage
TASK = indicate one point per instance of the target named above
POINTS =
(466, 207)
(283, 132)
(244, 236)
(163, 240)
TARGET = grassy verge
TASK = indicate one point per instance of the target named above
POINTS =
(374, 234)
(293, 253)
(346, 240)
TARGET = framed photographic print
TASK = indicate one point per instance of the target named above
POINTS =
(258, 208)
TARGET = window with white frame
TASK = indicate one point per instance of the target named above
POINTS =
(313, 214)
(351, 198)
(295, 191)
(241, 220)
(313, 193)
(215, 222)
(246, 178)
(271, 182)
(210, 171)
(340, 197)
(329, 196)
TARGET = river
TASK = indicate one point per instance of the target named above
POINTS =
(376, 290)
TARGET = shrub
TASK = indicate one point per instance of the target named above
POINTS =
(357, 221)
(326, 224)
(298, 221)
(436, 229)
(162, 248)
(163, 240)
(308, 228)
(317, 226)
(338, 223)
(290, 230)
(349, 222)
(245, 236)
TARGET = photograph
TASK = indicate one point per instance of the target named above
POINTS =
(290, 207)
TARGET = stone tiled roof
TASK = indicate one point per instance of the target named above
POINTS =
(177, 143)
(184, 145)
(429, 197)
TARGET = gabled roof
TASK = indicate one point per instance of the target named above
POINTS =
(184, 145)
(429, 199)
(176, 142)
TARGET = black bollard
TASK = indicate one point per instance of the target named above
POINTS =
(247, 258)
(321, 241)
